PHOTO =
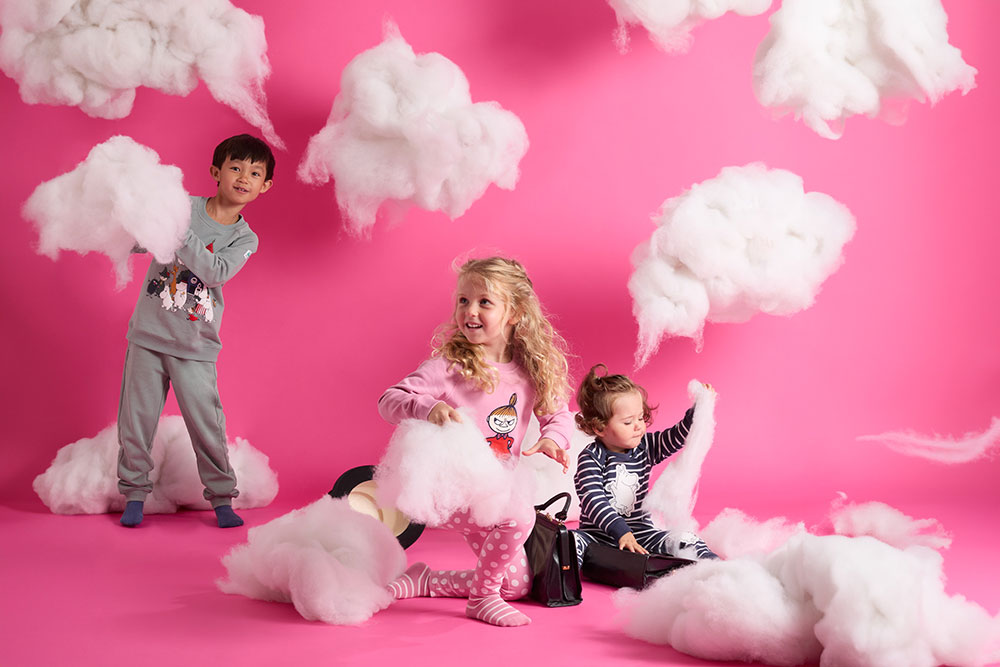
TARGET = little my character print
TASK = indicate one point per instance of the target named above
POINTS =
(502, 421)
(180, 290)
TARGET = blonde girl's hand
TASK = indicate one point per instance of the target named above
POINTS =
(442, 413)
(627, 542)
(549, 447)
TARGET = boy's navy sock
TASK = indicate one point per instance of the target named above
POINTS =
(227, 517)
(132, 516)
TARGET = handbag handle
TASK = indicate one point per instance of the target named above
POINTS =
(561, 514)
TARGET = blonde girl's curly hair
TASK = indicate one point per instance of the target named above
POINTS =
(537, 346)
(597, 396)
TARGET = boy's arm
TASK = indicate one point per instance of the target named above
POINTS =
(216, 267)
(594, 505)
(664, 443)
(414, 396)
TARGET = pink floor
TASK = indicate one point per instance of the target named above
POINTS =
(81, 590)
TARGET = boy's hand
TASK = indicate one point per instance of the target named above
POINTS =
(442, 413)
(549, 447)
(627, 542)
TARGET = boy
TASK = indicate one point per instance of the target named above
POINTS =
(174, 333)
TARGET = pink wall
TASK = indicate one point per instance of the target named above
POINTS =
(904, 336)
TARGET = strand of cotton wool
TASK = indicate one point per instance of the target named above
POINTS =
(734, 534)
(93, 54)
(836, 600)
(404, 129)
(83, 477)
(672, 497)
(549, 478)
(888, 524)
(827, 60)
(972, 447)
(749, 240)
(331, 562)
(120, 196)
(670, 22)
(431, 473)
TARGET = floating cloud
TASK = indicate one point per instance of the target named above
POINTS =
(832, 600)
(750, 240)
(331, 562)
(404, 129)
(432, 472)
(670, 22)
(672, 497)
(94, 53)
(827, 60)
(83, 478)
(942, 449)
(117, 198)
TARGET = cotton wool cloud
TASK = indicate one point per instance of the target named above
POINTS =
(751, 240)
(827, 60)
(673, 495)
(943, 449)
(404, 131)
(828, 600)
(120, 196)
(83, 477)
(331, 562)
(94, 54)
(670, 22)
(431, 473)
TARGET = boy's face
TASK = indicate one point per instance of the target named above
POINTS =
(626, 427)
(240, 181)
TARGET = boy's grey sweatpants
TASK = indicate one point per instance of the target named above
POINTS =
(145, 381)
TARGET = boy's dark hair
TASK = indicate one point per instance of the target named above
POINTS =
(245, 147)
(597, 395)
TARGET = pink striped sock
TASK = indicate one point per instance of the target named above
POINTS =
(493, 610)
(412, 583)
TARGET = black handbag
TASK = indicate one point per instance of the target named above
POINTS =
(551, 553)
(616, 567)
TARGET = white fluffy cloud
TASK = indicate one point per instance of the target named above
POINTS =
(672, 497)
(94, 53)
(832, 600)
(887, 524)
(118, 197)
(404, 129)
(432, 472)
(83, 478)
(331, 562)
(670, 22)
(942, 449)
(827, 60)
(749, 240)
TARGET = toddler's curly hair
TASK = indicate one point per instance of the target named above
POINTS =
(597, 396)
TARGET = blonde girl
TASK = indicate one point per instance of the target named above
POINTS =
(496, 352)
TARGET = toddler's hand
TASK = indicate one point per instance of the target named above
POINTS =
(442, 413)
(627, 542)
(549, 447)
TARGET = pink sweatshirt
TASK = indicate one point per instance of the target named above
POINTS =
(502, 415)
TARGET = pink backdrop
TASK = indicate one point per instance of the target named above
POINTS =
(904, 336)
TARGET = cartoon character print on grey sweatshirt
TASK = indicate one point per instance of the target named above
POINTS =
(181, 310)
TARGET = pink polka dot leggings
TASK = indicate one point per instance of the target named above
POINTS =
(502, 566)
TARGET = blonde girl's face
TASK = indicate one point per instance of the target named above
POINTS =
(626, 427)
(484, 317)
